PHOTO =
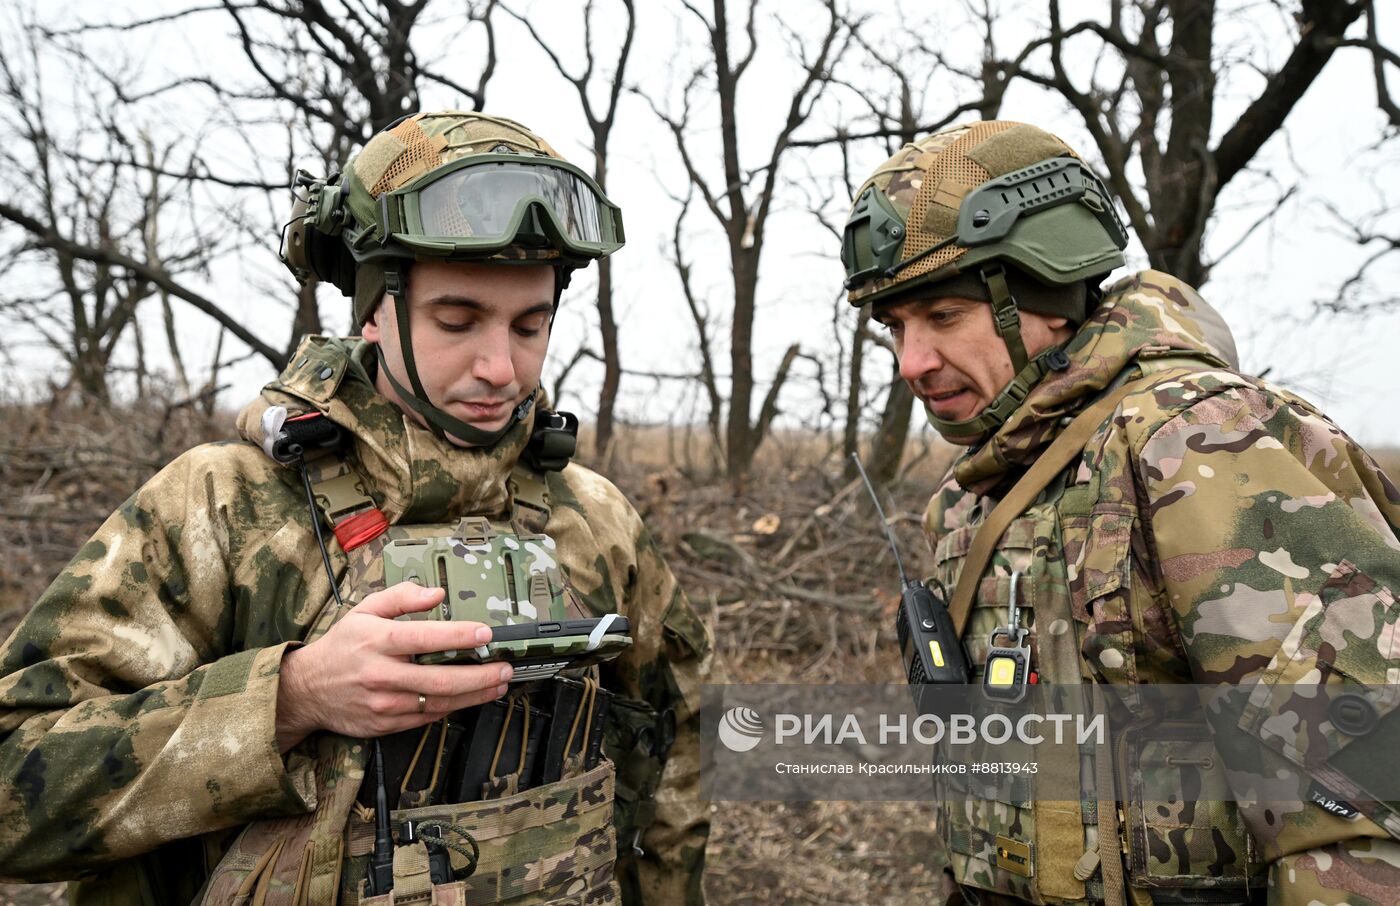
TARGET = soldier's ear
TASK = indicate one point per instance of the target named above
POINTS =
(370, 330)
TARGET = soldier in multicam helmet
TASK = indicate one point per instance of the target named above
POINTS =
(185, 715)
(1197, 525)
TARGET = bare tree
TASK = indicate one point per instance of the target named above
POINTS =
(91, 246)
(322, 78)
(601, 119)
(347, 70)
(700, 316)
(1358, 294)
(1156, 110)
(370, 73)
(743, 201)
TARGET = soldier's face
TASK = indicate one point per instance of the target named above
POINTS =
(480, 333)
(952, 356)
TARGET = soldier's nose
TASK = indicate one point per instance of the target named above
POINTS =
(917, 356)
(493, 363)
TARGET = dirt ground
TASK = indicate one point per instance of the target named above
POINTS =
(792, 576)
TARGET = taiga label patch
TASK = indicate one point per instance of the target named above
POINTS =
(1331, 804)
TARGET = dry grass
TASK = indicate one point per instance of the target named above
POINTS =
(791, 575)
(64, 468)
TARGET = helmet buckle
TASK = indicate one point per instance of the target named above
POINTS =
(393, 281)
(1007, 318)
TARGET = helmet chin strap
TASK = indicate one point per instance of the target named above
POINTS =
(1029, 372)
(1008, 401)
(439, 422)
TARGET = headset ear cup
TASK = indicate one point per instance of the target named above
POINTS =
(330, 260)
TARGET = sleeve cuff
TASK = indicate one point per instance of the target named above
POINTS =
(234, 715)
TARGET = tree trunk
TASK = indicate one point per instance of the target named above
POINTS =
(1183, 193)
(741, 440)
(887, 447)
(612, 361)
(850, 439)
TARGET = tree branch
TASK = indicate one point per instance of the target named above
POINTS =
(156, 275)
(1324, 23)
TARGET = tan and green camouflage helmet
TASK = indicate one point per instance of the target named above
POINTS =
(449, 186)
(978, 199)
(454, 185)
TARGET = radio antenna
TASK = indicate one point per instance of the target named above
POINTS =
(889, 533)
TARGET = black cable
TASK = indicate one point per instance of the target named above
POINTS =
(316, 524)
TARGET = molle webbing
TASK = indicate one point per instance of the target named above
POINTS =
(342, 496)
(1064, 450)
(527, 842)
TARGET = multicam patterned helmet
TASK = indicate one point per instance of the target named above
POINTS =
(465, 184)
(454, 186)
(451, 185)
(975, 193)
(972, 200)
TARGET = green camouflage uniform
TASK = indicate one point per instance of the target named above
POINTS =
(1216, 530)
(137, 699)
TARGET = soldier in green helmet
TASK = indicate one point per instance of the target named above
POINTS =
(1160, 517)
(393, 646)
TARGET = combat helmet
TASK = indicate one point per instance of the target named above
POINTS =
(978, 204)
(447, 186)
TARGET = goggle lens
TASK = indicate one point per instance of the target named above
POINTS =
(482, 202)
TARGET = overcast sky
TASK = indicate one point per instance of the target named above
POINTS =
(1265, 287)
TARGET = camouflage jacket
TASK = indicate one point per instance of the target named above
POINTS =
(137, 698)
(1216, 529)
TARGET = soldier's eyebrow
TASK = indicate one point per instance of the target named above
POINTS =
(919, 307)
(453, 300)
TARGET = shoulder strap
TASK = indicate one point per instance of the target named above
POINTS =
(1059, 454)
(342, 495)
(553, 440)
(529, 497)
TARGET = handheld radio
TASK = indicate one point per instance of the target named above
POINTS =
(933, 654)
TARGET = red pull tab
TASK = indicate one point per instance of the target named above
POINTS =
(360, 528)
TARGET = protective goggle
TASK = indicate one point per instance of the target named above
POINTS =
(488, 202)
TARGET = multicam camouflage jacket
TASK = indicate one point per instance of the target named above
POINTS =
(137, 699)
(1216, 529)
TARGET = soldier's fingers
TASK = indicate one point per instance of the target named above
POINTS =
(405, 597)
(408, 637)
(405, 715)
(441, 680)
(440, 707)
